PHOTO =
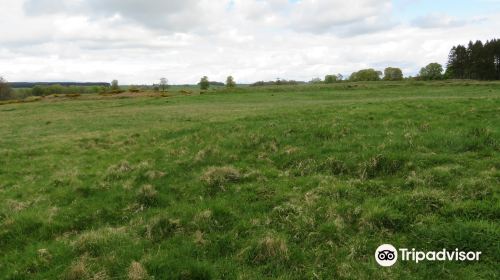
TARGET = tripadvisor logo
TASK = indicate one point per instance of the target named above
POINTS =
(387, 255)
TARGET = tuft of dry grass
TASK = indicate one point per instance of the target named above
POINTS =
(44, 255)
(96, 242)
(270, 248)
(119, 170)
(198, 238)
(137, 272)
(78, 270)
(216, 178)
(154, 174)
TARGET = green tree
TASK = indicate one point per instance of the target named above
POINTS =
(330, 79)
(114, 85)
(365, 75)
(230, 83)
(393, 74)
(204, 83)
(5, 90)
(457, 67)
(163, 84)
(433, 71)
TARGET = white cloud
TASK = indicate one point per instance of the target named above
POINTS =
(139, 41)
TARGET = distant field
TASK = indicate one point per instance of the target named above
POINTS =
(299, 182)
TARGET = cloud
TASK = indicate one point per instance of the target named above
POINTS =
(341, 17)
(437, 20)
(168, 15)
(140, 41)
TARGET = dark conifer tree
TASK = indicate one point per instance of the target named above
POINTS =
(477, 61)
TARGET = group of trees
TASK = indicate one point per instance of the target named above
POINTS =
(205, 83)
(477, 61)
(278, 82)
(390, 74)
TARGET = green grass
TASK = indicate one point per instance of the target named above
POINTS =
(299, 182)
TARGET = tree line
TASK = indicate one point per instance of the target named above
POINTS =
(477, 61)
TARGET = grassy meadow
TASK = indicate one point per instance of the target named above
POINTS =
(289, 182)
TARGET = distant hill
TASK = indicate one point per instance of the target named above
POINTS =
(66, 84)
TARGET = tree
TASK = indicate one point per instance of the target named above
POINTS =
(340, 77)
(230, 83)
(330, 79)
(204, 83)
(5, 90)
(433, 71)
(163, 84)
(114, 85)
(366, 75)
(457, 67)
(393, 74)
(476, 61)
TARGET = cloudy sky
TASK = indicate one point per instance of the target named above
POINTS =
(139, 41)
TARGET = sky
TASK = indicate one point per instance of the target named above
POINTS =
(140, 41)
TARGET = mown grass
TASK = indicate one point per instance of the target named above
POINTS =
(260, 183)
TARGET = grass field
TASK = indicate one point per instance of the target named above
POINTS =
(299, 182)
